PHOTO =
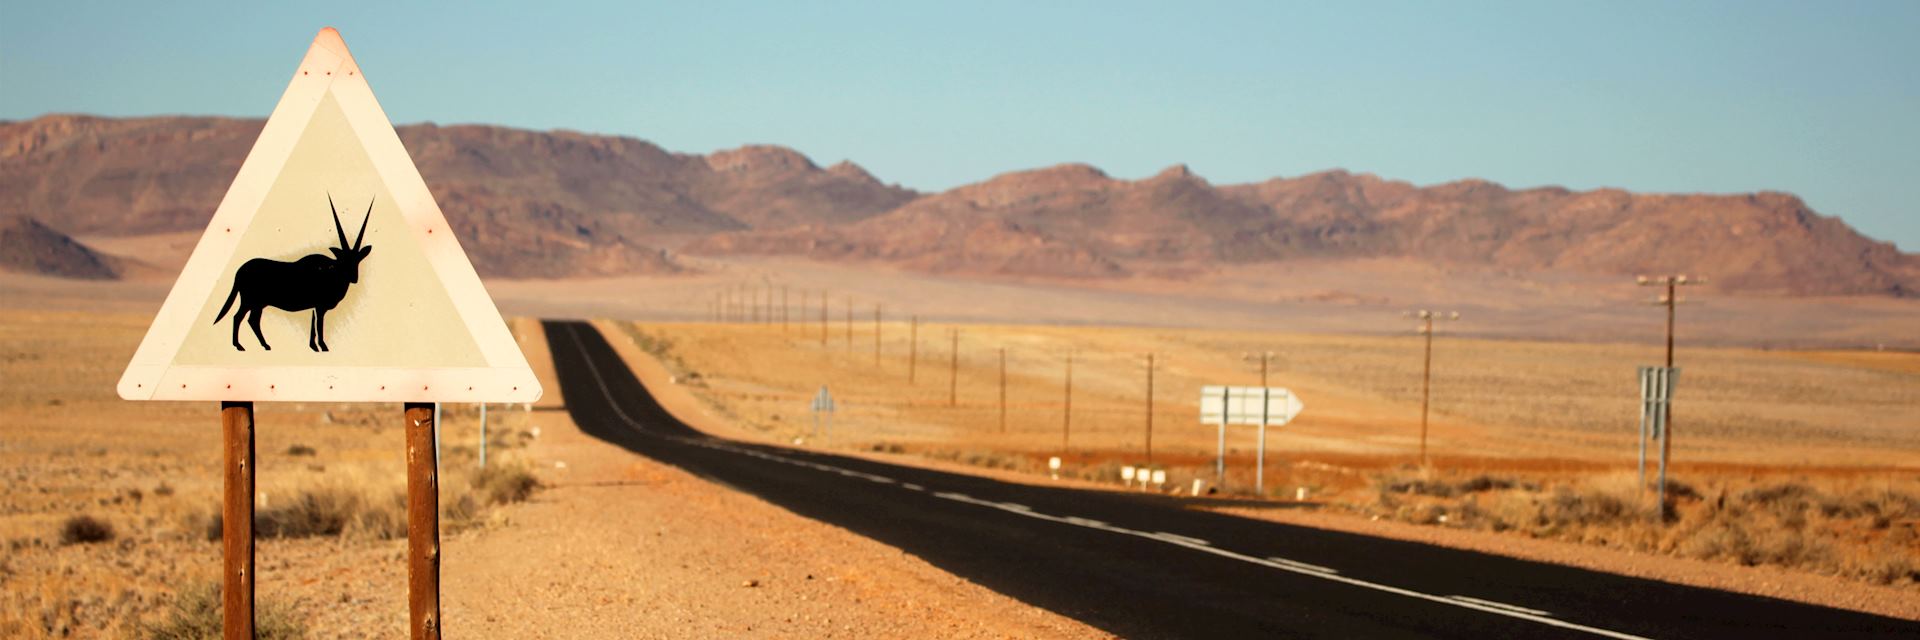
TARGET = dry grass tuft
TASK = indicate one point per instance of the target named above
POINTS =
(505, 484)
(84, 529)
(195, 614)
(338, 510)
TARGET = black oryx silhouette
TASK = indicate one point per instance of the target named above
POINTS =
(314, 282)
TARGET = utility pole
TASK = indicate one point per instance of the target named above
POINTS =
(784, 325)
(1426, 371)
(823, 318)
(913, 349)
(1066, 416)
(849, 324)
(876, 336)
(1670, 300)
(1149, 409)
(953, 370)
(1003, 389)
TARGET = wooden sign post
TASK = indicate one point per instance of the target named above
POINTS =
(423, 523)
(236, 507)
(408, 324)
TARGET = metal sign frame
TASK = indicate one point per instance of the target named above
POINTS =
(1256, 406)
(1656, 408)
(329, 70)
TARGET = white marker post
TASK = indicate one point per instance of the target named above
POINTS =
(1053, 467)
(1126, 475)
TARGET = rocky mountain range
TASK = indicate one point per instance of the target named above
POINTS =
(565, 204)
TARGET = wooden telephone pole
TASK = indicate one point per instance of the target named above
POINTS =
(1003, 389)
(1670, 300)
(876, 336)
(913, 349)
(1426, 372)
(1149, 409)
(1066, 415)
(953, 370)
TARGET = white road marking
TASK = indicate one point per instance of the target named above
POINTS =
(1175, 537)
(1301, 565)
(1182, 541)
(1502, 605)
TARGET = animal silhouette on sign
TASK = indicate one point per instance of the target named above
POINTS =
(315, 282)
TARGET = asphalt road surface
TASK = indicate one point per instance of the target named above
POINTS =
(1144, 566)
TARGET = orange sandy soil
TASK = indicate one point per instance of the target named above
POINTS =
(1843, 421)
(678, 557)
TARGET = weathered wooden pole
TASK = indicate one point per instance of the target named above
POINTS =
(1066, 416)
(824, 322)
(849, 324)
(913, 349)
(1003, 389)
(953, 370)
(236, 521)
(876, 337)
(423, 524)
(1426, 387)
(1149, 409)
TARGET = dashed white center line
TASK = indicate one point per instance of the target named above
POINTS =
(1501, 605)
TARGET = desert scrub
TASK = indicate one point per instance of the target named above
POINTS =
(336, 509)
(84, 529)
(1821, 527)
(505, 484)
(661, 348)
(194, 614)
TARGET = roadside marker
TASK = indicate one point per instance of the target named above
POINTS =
(410, 323)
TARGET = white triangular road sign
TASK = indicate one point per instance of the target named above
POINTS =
(328, 272)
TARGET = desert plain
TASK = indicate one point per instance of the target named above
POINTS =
(1794, 467)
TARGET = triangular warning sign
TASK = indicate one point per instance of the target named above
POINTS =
(328, 273)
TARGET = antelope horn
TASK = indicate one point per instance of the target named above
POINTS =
(363, 225)
(336, 222)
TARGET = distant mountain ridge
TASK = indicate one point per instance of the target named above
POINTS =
(1075, 221)
(523, 203)
(565, 204)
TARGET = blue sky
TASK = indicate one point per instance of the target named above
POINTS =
(1818, 99)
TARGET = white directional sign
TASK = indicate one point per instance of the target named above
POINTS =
(328, 272)
(1258, 406)
(1244, 405)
